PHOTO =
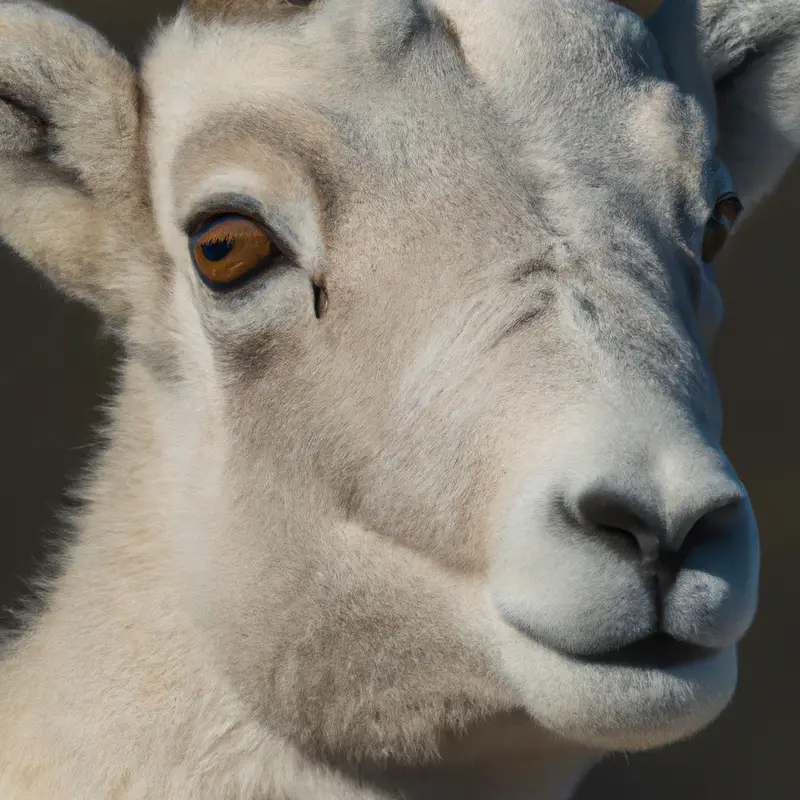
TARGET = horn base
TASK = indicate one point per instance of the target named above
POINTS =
(644, 8)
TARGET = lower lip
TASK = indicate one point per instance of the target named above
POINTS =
(655, 652)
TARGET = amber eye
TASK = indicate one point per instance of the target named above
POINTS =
(229, 248)
(719, 225)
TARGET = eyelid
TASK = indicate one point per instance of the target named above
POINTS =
(721, 183)
(222, 204)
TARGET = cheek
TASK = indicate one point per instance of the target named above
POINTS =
(277, 304)
(429, 481)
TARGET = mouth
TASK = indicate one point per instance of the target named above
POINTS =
(658, 651)
(654, 692)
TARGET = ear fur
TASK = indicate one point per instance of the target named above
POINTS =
(752, 48)
(73, 186)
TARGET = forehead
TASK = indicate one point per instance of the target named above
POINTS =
(527, 92)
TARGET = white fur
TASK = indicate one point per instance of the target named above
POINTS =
(349, 558)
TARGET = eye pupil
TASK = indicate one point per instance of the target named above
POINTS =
(216, 251)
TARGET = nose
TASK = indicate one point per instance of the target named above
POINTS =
(620, 541)
(661, 521)
(661, 518)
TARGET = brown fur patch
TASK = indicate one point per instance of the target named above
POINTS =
(644, 8)
(452, 33)
(265, 10)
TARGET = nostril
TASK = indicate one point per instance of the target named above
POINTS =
(606, 511)
(661, 535)
(716, 517)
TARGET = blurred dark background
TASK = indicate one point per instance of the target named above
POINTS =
(58, 370)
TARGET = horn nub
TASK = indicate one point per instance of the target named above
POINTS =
(258, 9)
(644, 8)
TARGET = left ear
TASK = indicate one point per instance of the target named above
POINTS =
(752, 48)
(74, 187)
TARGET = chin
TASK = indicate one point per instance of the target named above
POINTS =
(647, 698)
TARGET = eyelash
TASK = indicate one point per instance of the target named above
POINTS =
(210, 215)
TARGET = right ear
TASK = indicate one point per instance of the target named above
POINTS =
(74, 194)
(752, 49)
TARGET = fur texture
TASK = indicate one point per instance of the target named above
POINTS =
(408, 542)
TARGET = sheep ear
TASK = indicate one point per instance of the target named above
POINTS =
(73, 194)
(752, 48)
